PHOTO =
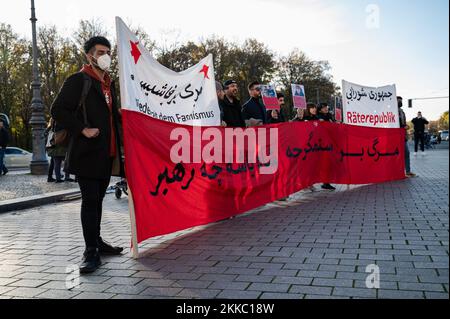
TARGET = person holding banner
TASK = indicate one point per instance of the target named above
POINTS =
(253, 111)
(277, 116)
(86, 106)
(299, 116)
(311, 112)
(232, 115)
(324, 113)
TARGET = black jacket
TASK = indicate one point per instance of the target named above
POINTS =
(311, 118)
(4, 138)
(221, 106)
(254, 109)
(232, 113)
(88, 158)
(326, 117)
(419, 125)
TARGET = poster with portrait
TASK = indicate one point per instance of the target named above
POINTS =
(299, 96)
(269, 97)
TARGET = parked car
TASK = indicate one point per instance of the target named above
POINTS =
(444, 136)
(17, 158)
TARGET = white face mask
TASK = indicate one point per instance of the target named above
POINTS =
(104, 62)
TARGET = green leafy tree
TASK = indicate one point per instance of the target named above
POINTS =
(297, 68)
(443, 122)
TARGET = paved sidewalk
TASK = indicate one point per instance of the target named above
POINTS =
(317, 245)
(23, 184)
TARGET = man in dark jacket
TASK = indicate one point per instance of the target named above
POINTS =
(231, 105)
(94, 147)
(4, 139)
(253, 111)
(419, 133)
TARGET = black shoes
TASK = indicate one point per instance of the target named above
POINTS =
(51, 180)
(91, 261)
(107, 249)
(5, 171)
(328, 187)
(69, 180)
(91, 257)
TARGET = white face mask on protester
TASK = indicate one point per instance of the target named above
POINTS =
(104, 62)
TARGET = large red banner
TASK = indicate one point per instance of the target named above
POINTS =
(171, 196)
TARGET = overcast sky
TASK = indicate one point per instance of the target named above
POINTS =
(408, 44)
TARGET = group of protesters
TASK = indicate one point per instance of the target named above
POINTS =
(94, 151)
(254, 113)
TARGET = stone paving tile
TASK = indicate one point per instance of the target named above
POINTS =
(271, 287)
(236, 294)
(355, 292)
(93, 295)
(436, 295)
(126, 289)
(275, 295)
(7, 281)
(25, 292)
(58, 294)
(161, 292)
(86, 287)
(199, 293)
(298, 249)
(400, 294)
(311, 290)
(230, 285)
(29, 283)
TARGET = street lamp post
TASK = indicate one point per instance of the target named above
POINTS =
(39, 163)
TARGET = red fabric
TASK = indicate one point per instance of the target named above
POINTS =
(106, 90)
(181, 203)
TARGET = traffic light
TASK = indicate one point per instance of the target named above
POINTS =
(410, 104)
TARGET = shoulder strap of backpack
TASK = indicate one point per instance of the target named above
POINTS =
(87, 83)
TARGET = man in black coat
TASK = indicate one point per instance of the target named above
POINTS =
(419, 132)
(253, 111)
(94, 147)
(231, 105)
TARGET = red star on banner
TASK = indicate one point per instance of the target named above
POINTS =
(135, 51)
(205, 71)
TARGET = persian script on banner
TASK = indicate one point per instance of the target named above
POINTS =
(187, 98)
(170, 196)
(370, 107)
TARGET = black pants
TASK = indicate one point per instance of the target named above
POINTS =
(51, 168)
(58, 163)
(92, 194)
(419, 137)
